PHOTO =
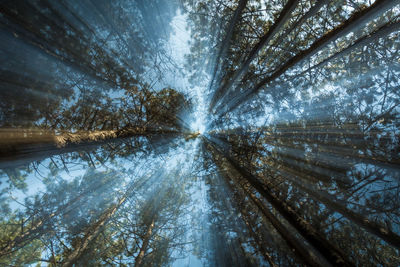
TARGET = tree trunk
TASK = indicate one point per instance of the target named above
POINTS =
(352, 24)
(146, 241)
(92, 234)
(383, 31)
(250, 224)
(224, 47)
(36, 226)
(292, 241)
(22, 239)
(311, 12)
(330, 252)
(374, 228)
(19, 146)
(275, 28)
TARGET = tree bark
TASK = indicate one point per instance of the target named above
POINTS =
(383, 31)
(292, 241)
(275, 28)
(19, 146)
(374, 228)
(146, 241)
(224, 47)
(92, 234)
(352, 24)
(330, 252)
(36, 227)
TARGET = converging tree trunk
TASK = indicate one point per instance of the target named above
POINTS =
(145, 243)
(352, 24)
(333, 254)
(18, 146)
(272, 31)
(91, 234)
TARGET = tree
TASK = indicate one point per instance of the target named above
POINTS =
(297, 165)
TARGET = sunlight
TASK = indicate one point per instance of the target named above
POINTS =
(199, 133)
(202, 129)
(179, 43)
(198, 126)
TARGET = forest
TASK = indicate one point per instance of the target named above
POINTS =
(199, 133)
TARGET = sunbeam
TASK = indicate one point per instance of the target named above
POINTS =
(199, 133)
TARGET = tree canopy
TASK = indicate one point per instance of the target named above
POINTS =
(200, 133)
